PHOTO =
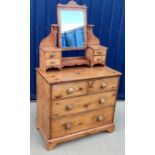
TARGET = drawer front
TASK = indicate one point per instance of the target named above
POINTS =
(52, 62)
(60, 91)
(72, 124)
(53, 55)
(100, 52)
(99, 59)
(83, 103)
(101, 85)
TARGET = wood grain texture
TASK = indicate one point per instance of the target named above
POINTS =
(74, 61)
(81, 122)
(60, 91)
(53, 62)
(43, 105)
(50, 57)
(100, 52)
(96, 55)
(92, 39)
(76, 101)
(53, 55)
(51, 39)
(80, 104)
(52, 142)
(103, 84)
(78, 73)
(99, 59)
(50, 43)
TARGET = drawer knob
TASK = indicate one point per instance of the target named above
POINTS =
(53, 62)
(103, 85)
(68, 126)
(52, 54)
(70, 90)
(99, 52)
(100, 118)
(99, 59)
(69, 107)
(102, 100)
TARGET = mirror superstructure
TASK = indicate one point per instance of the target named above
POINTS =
(71, 34)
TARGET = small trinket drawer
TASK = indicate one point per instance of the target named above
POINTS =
(75, 102)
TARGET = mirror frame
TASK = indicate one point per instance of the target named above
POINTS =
(72, 5)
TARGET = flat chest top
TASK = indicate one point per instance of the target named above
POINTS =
(77, 73)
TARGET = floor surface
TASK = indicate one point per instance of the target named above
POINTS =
(98, 144)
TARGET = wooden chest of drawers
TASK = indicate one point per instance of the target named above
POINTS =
(75, 102)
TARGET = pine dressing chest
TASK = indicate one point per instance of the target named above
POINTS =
(77, 98)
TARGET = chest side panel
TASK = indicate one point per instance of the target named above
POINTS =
(43, 105)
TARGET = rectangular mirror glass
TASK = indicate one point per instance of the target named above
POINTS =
(72, 29)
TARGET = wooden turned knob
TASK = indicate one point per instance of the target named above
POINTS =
(102, 100)
(100, 118)
(99, 52)
(69, 107)
(52, 54)
(68, 126)
(53, 62)
(103, 85)
(70, 90)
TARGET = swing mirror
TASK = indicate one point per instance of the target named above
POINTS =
(72, 26)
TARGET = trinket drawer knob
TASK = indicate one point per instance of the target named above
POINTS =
(99, 59)
(52, 54)
(99, 52)
(53, 62)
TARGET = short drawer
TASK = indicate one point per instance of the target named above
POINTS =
(52, 62)
(81, 104)
(100, 85)
(72, 124)
(99, 59)
(60, 91)
(100, 52)
(53, 55)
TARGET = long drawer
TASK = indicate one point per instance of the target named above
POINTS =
(71, 124)
(81, 104)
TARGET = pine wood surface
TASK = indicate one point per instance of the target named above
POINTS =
(80, 104)
(74, 102)
(81, 122)
(78, 73)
